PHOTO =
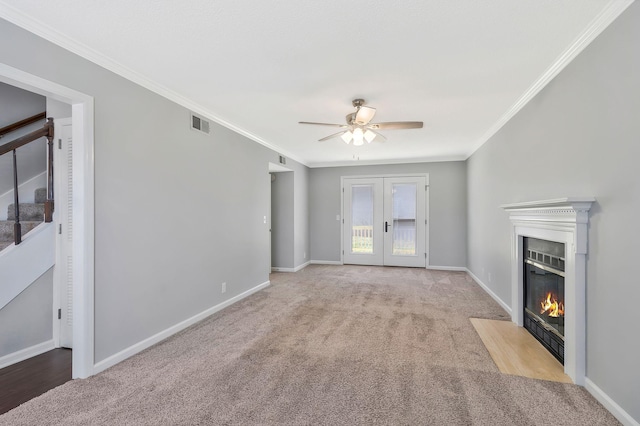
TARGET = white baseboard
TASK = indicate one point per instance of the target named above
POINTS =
(296, 269)
(26, 353)
(495, 297)
(144, 344)
(299, 267)
(448, 268)
(325, 262)
(604, 399)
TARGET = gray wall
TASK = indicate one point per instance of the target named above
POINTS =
(579, 137)
(17, 104)
(28, 319)
(177, 212)
(447, 206)
(282, 220)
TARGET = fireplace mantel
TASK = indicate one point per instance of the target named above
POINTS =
(564, 220)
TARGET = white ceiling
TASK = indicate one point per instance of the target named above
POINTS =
(463, 67)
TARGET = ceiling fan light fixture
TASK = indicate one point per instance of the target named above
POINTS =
(346, 136)
(358, 136)
(369, 136)
(364, 115)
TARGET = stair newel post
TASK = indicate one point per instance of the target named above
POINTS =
(17, 228)
(48, 204)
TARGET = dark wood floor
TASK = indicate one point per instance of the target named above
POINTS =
(32, 377)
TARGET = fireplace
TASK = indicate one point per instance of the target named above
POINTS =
(564, 221)
(543, 280)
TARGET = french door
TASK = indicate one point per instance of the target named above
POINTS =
(384, 221)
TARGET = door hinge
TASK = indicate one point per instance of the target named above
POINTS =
(60, 229)
(59, 313)
(343, 190)
(343, 252)
(426, 187)
(425, 221)
(59, 143)
(425, 255)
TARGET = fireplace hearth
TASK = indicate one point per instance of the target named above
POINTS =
(544, 293)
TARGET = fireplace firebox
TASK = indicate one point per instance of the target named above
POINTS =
(544, 265)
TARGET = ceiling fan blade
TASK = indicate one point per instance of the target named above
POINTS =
(379, 136)
(395, 125)
(364, 115)
(335, 135)
(323, 124)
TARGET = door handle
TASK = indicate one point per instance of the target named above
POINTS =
(386, 226)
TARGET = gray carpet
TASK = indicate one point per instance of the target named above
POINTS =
(327, 345)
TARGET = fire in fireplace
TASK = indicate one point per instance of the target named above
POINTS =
(544, 293)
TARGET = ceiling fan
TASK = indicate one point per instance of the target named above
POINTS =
(359, 127)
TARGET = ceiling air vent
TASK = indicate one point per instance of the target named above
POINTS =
(199, 124)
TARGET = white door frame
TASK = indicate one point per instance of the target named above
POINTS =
(426, 207)
(82, 107)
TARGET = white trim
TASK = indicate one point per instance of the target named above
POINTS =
(389, 175)
(326, 262)
(296, 269)
(447, 268)
(49, 33)
(494, 296)
(83, 239)
(158, 337)
(604, 399)
(83, 207)
(563, 220)
(27, 188)
(279, 269)
(302, 266)
(30, 352)
(599, 24)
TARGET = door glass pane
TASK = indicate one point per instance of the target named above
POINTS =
(362, 219)
(404, 219)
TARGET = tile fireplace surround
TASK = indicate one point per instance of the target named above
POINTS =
(564, 220)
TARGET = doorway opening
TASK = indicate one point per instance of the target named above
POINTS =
(82, 212)
(281, 220)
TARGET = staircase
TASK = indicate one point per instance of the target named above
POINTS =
(31, 215)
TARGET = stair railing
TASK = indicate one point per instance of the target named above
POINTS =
(45, 131)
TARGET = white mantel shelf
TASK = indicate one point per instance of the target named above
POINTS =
(564, 220)
(573, 203)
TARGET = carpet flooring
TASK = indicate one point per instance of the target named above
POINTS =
(334, 345)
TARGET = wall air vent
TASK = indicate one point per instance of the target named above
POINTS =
(200, 124)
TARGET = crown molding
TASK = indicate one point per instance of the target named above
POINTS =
(597, 26)
(52, 35)
(354, 163)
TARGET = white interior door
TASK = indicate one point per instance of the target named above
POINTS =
(363, 216)
(63, 275)
(404, 221)
(384, 221)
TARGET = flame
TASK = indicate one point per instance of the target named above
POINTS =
(553, 308)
